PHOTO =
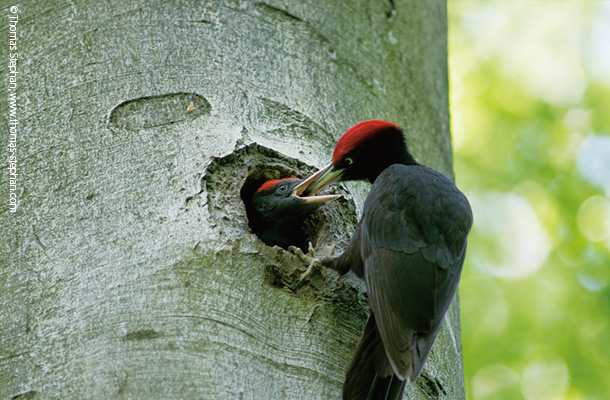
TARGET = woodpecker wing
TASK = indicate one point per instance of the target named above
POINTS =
(413, 241)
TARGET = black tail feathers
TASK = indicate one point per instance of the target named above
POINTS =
(370, 375)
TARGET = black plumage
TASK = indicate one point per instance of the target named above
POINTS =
(409, 248)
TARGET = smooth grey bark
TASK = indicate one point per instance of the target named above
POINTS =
(129, 270)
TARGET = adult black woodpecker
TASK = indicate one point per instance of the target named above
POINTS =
(409, 248)
(277, 210)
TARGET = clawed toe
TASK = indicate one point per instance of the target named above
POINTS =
(313, 263)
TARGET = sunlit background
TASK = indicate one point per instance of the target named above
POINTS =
(530, 104)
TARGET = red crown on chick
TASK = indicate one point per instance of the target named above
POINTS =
(270, 184)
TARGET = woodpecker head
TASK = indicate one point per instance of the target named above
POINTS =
(281, 199)
(277, 211)
(363, 152)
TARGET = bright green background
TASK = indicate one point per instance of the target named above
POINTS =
(530, 103)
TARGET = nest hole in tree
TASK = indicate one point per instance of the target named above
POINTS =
(246, 169)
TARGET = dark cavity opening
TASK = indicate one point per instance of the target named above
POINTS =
(244, 171)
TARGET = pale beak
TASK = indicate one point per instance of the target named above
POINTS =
(323, 177)
(307, 189)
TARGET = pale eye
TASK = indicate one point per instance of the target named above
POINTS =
(349, 161)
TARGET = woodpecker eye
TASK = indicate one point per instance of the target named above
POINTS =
(282, 188)
(348, 161)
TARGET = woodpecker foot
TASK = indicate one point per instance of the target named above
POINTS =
(309, 259)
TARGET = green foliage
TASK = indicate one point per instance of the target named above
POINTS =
(530, 94)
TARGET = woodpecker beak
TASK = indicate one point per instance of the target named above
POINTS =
(305, 191)
(322, 178)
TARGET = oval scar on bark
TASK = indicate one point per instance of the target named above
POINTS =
(156, 111)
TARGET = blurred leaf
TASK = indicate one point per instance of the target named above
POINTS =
(527, 92)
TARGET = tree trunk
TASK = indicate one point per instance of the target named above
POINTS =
(129, 270)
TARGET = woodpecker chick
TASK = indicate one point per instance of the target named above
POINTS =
(278, 209)
(408, 247)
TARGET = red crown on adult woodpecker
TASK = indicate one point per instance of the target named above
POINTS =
(363, 152)
(358, 135)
